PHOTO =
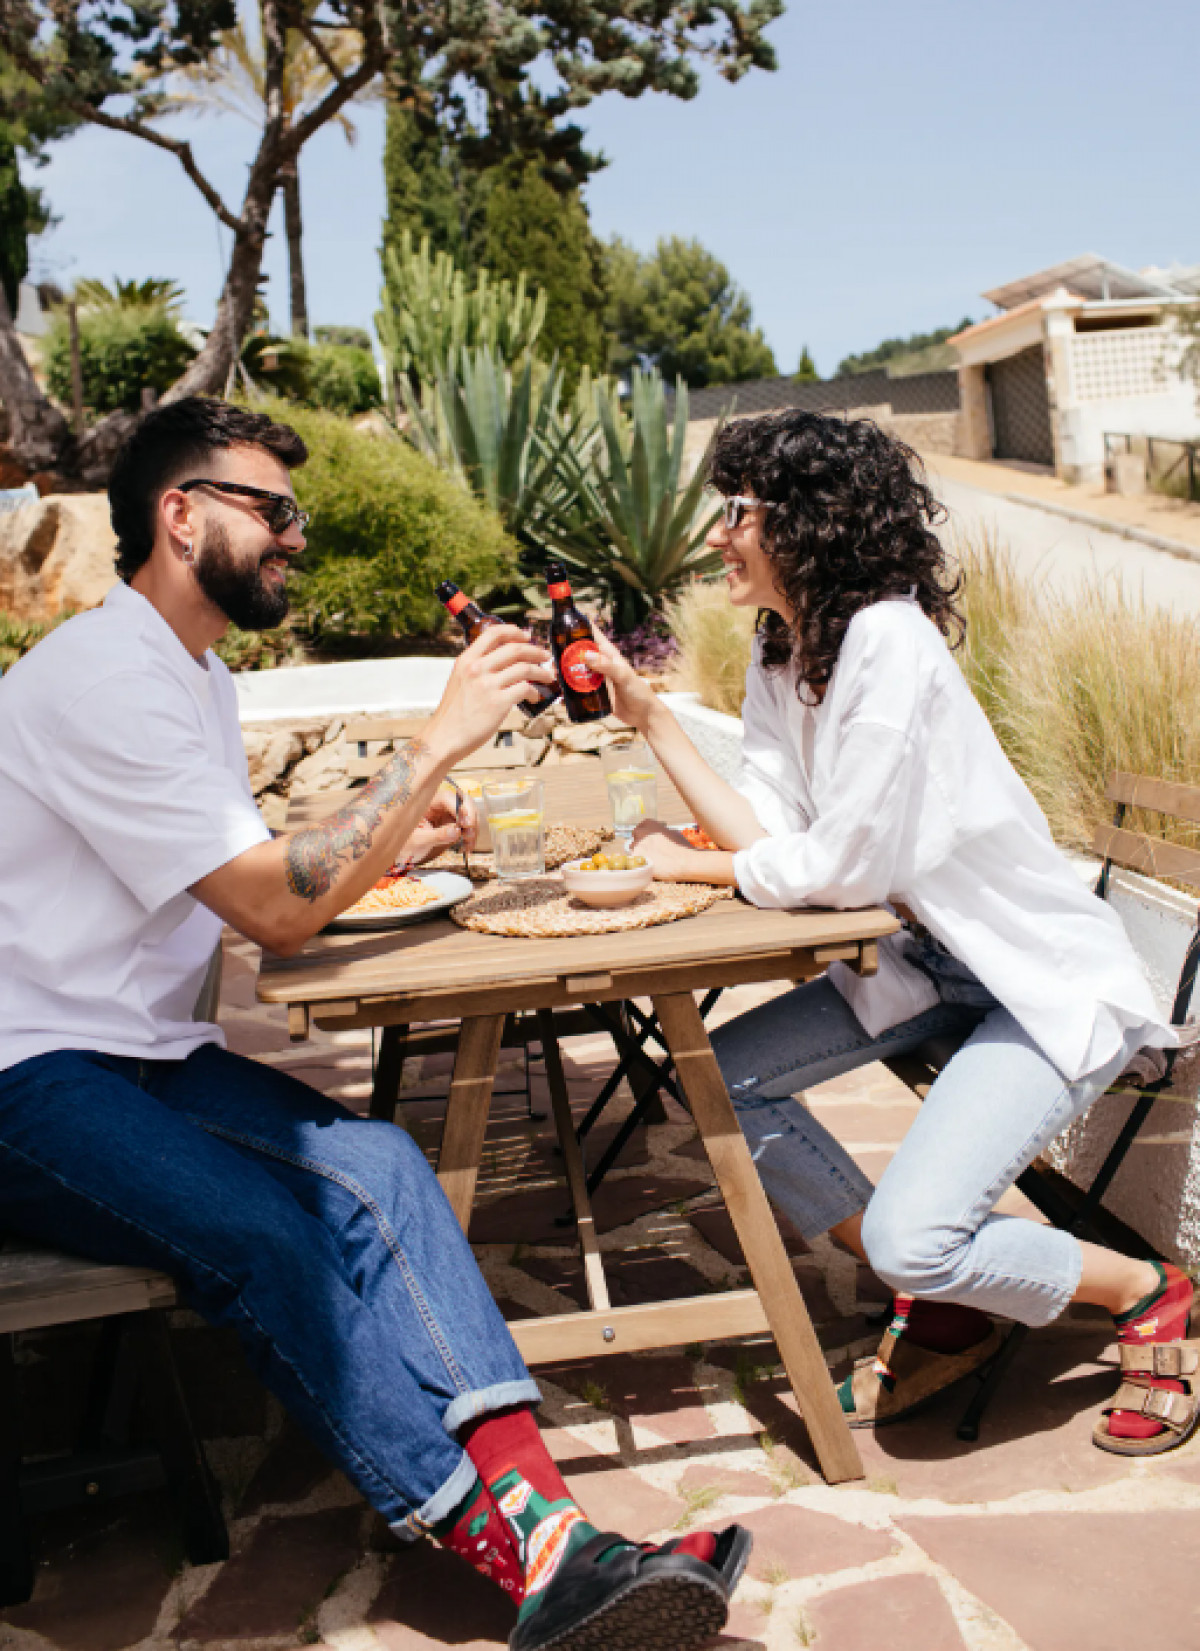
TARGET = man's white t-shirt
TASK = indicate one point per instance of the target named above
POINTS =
(122, 782)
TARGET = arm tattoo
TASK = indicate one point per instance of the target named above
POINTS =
(314, 857)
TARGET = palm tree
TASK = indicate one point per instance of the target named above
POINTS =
(233, 79)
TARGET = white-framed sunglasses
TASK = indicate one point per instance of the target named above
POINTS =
(733, 512)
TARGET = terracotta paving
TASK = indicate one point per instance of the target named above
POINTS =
(1030, 1539)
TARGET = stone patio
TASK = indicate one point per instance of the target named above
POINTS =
(1032, 1538)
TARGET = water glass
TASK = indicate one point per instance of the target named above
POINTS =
(632, 787)
(516, 819)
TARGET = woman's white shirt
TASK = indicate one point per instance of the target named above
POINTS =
(895, 786)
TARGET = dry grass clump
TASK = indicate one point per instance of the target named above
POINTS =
(1080, 683)
(714, 641)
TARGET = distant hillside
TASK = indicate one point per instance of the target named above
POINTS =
(921, 352)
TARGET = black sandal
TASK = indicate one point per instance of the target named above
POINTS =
(643, 1599)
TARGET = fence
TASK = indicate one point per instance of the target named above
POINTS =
(1171, 465)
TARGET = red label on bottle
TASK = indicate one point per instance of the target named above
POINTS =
(559, 593)
(458, 602)
(577, 673)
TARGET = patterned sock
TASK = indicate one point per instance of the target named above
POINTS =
(1160, 1316)
(476, 1532)
(546, 1522)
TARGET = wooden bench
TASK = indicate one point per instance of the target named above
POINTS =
(42, 1287)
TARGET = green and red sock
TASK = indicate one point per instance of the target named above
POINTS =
(476, 1531)
(544, 1523)
(1160, 1316)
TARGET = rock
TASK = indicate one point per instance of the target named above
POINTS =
(327, 769)
(270, 756)
(581, 736)
(55, 554)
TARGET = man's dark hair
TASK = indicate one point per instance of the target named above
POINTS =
(171, 441)
(851, 523)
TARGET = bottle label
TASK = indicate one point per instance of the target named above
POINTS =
(559, 593)
(458, 602)
(577, 673)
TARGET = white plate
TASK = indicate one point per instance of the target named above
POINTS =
(451, 888)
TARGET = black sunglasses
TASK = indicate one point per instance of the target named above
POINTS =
(279, 511)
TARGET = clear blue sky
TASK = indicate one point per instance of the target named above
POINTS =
(903, 158)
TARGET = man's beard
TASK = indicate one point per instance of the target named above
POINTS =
(241, 592)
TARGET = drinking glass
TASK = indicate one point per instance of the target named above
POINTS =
(516, 819)
(632, 787)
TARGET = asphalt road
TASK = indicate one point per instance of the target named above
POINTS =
(1061, 554)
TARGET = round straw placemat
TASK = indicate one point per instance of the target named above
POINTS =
(563, 843)
(541, 909)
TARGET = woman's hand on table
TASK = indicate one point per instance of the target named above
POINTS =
(674, 860)
(633, 700)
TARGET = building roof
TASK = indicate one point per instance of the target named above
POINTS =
(1090, 276)
(914, 393)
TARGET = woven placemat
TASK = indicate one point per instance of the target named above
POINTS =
(541, 909)
(563, 843)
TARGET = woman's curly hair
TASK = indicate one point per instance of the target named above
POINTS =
(852, 522)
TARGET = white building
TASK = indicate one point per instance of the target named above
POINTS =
(1078, 351)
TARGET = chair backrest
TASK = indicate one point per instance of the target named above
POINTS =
(1152, 856)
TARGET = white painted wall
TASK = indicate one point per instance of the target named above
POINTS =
(376, 687)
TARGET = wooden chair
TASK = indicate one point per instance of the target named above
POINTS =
(40, 1287)
(501, 753)
(1063, 1204)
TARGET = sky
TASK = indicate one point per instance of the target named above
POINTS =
(903, 158)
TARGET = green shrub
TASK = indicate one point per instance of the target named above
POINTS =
(17, 636)
(342, 379)
(387, 526)
(122, 352)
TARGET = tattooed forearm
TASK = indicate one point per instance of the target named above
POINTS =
(315, 857)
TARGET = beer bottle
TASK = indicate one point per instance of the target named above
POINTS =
(584, 691)
(473, 621)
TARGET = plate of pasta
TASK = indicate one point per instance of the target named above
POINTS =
(404, 897)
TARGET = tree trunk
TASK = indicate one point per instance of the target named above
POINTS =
(289, 180)
(209, 373)
(39, 437)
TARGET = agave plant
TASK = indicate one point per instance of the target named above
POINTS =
(432, 312)
(502, 432)
(626, 518)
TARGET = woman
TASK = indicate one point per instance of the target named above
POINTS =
(870, 774)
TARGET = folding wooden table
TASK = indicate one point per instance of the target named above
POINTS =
(436, 970)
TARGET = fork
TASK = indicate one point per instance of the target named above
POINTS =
(458, 809)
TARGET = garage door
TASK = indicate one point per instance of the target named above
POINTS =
(1021, 407)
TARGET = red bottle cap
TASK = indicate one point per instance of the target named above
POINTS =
(559, 592)
(458, 602)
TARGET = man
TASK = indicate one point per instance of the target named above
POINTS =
(128, 836)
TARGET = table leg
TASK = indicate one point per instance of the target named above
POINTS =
(758, 1234)
(589, 1247)
(467, 1111)
(389, 1069)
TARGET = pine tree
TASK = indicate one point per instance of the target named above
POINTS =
(806, 372)
(679, 310)
(428, 190)
(531, 227)
(14, 222)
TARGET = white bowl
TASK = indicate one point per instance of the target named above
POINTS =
(607, 888)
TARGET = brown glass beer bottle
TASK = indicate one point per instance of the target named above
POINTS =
(473, 621)
(584, 691)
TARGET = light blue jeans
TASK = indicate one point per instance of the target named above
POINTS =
(929, 1228)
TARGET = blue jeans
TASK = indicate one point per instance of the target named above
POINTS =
(929, 1229)
(323, 1239)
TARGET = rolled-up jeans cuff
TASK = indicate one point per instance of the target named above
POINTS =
(466, 1408)
(439, 1506)
(484, 1400)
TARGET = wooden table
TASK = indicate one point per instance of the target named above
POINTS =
(436, 970)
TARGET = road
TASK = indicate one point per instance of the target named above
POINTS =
(1060, 553)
